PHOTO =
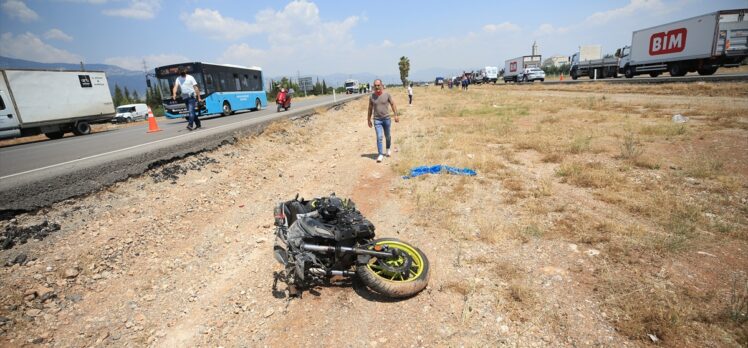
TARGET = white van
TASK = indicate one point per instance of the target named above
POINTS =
(131, 112)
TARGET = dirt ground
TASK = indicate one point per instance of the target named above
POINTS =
(594, 220)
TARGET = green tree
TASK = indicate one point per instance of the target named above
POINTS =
(135, 97)
(284, 82)
(127, 97)
(317, 90)
(117, 96)
(404, 66)
(556, 70)
(154, 99)
(324, 87)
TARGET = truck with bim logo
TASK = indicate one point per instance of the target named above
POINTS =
(700, 44)
(514, 68)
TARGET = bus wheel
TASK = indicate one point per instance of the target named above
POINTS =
(226, 108)
(258, 105)
(81, 128)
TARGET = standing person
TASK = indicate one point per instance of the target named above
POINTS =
(189, 91)
(410, 94)
(379, 104)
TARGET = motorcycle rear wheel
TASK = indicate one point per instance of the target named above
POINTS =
(393, 284)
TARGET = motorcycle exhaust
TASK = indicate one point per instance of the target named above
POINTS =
(330, 273)
(342, 249)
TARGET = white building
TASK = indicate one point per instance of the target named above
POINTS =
(556, 61)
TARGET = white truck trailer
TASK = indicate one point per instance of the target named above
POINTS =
(588, 61)
(513, 67)
(52, 102)
(700, 44)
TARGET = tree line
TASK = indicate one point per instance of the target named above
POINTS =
(123, 96)
(318, 88)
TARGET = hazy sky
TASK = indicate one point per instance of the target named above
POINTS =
(323, 37)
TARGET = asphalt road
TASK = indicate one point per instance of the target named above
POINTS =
(34, 175)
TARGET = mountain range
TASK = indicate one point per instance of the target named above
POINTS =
(135, 80)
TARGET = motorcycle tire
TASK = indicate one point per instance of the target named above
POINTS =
(386, 283)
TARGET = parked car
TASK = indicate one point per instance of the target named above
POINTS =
(130, 113)
(532, 74)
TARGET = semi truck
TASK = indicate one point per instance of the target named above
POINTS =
(700, 44)
(33, 102)
(588, 61)
(351, 86)
(514, 68)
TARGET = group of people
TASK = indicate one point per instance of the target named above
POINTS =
(462, 81)
(378, 117)
(364, 88)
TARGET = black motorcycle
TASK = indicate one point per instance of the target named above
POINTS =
(326, 237)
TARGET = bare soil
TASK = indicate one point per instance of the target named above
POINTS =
(593, 221)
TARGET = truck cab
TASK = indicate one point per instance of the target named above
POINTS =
(8, 117)
(351, 86)
(624, 61)
(490, 74)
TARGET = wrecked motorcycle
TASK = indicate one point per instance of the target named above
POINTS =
(325, 237)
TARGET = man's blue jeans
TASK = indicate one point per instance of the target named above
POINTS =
(383, 126)
(192, 118)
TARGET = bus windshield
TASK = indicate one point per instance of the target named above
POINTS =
(166, 83)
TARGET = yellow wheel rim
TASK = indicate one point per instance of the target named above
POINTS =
(416, 268)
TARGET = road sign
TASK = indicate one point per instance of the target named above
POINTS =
(305, 83)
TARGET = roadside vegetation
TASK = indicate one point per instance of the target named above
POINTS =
(661, 208)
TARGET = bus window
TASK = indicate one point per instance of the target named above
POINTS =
(166, 84)
(245, 83)
(255, 83)
(237, 83)
(224, 85)
(209, 86)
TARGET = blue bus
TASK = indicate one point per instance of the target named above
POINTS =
(224, 88)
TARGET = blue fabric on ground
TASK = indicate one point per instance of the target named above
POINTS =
(437, 169)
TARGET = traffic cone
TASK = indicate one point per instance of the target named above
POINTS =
(562, 77)
(152, 125)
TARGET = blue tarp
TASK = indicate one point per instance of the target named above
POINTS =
(438, 169)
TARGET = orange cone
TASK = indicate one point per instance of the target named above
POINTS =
(562, 77)
(152, 125)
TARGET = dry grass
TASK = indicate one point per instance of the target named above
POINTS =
(587, 174)
(600, 165)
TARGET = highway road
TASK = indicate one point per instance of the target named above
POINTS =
(36, 174)
(737, 77)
